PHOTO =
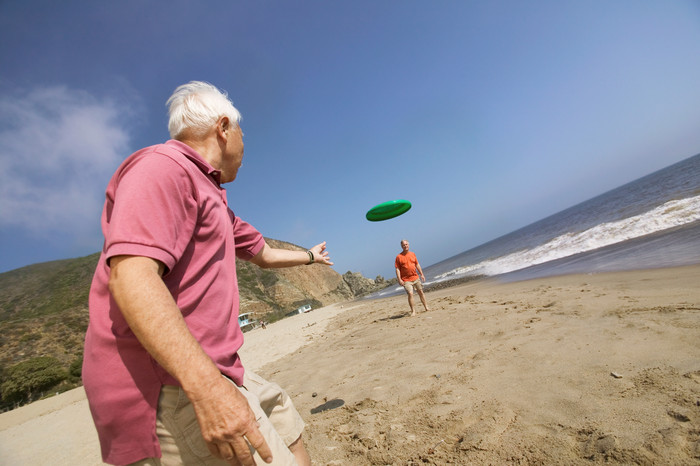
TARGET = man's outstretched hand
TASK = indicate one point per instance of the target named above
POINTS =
(320, 254)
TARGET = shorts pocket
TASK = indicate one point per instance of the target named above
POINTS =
(195, 441)
(188, 425)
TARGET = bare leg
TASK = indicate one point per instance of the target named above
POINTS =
(410, 303)
(422, 299)
(299, 451)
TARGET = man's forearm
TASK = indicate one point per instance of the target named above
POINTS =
(155, 319)
(278, 258)
(269, 257)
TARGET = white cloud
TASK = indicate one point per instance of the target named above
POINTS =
(58, 148)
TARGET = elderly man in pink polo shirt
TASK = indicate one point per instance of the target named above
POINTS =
(161, 370)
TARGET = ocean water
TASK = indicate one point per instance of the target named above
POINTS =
(648, 223)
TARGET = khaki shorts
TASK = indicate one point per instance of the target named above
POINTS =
(181, 440)
(408, 286)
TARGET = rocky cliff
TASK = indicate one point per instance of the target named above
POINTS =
(278, 291)
(362, 286)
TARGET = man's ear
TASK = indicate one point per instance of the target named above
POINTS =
(223, 125)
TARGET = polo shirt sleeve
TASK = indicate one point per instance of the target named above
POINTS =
(154, 211)
(249, 241)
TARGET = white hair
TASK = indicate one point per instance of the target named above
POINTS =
(195, 107)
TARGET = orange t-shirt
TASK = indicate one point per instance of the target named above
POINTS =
(407, 265)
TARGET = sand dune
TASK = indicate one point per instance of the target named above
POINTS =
(565, 370)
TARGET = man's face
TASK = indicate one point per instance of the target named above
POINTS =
(233, 155)
(404, 246)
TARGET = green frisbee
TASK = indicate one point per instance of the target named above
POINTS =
(387, 210)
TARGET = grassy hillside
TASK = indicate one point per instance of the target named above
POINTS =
(43, 310)
(43, 318)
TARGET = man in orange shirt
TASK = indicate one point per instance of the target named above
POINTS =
(407, 271)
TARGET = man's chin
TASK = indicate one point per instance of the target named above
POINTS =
(228, 179)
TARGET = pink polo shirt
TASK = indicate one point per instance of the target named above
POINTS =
(164, 202)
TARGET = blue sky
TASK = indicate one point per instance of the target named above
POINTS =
(487, 116)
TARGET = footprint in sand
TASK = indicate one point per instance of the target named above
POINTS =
(490, 420)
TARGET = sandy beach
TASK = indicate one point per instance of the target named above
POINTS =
(580, 369)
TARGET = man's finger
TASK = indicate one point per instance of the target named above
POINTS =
(224, 451)
(242, 453)
(257, 441)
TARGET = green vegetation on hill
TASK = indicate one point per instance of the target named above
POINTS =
(45, 289)
(22, 382)
(43, 317)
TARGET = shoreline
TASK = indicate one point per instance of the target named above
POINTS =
(482, 339)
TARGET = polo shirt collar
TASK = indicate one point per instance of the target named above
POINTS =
(197, 159)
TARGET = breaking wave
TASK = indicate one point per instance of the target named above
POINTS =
(669, 215)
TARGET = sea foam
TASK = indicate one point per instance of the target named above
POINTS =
(671, 214)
